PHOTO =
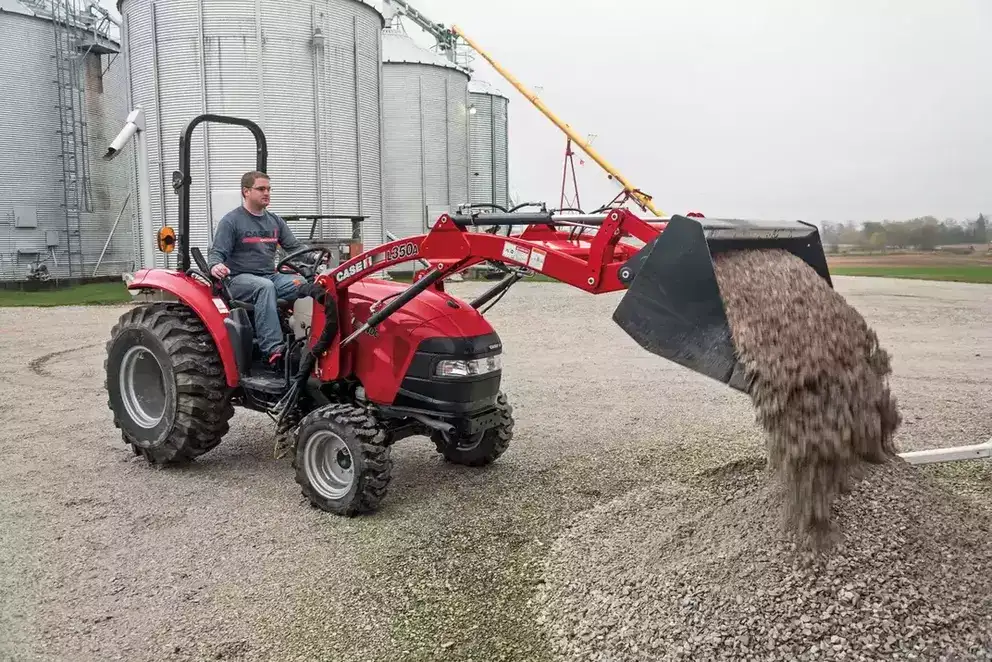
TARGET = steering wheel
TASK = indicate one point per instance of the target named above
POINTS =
(306, 269)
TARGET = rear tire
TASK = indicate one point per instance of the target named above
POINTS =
(342, 460)
(166, 383)
(483, 448)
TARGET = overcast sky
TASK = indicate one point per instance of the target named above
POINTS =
(829, 110)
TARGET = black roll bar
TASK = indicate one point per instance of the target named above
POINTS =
(181, 179)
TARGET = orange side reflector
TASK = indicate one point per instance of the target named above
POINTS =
(167, 240)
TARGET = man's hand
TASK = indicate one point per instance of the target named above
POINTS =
(220, 270)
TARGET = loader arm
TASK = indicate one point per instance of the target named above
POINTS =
(672, 306)
(591, 263)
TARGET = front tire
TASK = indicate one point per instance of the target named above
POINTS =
(342, 460)
(482, 448)
(166, 383)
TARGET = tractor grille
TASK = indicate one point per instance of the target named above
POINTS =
(423, 389)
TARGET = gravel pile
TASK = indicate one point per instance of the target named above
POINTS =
(678, 572)
(819, 376)
(873, 560)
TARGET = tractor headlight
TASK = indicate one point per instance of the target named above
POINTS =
(472, 368)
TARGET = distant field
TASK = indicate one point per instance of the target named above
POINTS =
(80, 295)
(976, 268)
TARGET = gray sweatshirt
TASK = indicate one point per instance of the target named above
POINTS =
(247, 243)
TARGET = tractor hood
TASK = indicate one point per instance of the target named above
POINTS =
(426, 307)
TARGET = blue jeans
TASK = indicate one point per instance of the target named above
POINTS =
(262, 292)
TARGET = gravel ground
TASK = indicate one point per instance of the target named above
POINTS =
(106, 558)
(702, 571)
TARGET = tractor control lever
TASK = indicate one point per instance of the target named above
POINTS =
(202, 264)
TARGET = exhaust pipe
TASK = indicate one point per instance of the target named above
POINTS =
(433, 423)
(673, 307)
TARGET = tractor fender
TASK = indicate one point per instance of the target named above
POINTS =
(211, 310)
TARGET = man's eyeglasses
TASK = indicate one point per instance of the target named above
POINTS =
(261, 188)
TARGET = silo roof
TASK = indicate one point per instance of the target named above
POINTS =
(374, 4)
(476, 86)
(15, 7)
(397, 46)
(103, 44)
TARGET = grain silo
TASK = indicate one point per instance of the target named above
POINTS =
(307, 73)
(64, 212)
(425, 135)
(488, 147)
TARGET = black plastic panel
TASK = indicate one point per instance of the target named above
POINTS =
(421, 389)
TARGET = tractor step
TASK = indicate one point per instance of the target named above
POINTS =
(272, 383)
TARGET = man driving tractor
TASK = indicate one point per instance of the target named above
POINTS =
(244, 248)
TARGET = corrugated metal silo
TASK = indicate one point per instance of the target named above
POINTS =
(425, 135)
(307, 73)
(488, 144)
(39, 231)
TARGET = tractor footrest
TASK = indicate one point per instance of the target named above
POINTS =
(272, 384)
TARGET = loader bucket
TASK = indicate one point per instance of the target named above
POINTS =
(673, 306)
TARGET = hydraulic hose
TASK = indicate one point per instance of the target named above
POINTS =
(309, 357)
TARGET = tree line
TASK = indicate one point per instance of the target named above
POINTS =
(924, 233)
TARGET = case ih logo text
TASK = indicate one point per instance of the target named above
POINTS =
(260, 237)
(394, 253)
(353, 269)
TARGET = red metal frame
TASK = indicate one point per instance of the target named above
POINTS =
(566, 202)
(588, 262)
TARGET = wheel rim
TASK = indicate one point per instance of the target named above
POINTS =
(142, 387)
(329, 464)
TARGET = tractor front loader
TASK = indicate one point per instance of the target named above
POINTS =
(375, 361)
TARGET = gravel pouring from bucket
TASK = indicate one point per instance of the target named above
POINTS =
(673, 306)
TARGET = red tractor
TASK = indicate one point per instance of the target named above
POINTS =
(377, 361)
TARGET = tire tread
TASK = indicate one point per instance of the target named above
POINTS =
(203, 407)
(362, 428)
